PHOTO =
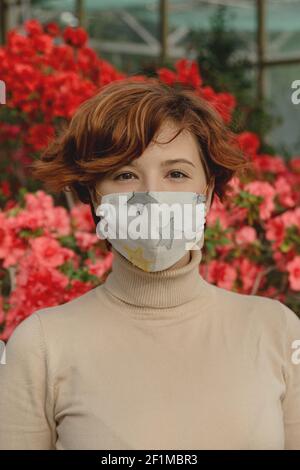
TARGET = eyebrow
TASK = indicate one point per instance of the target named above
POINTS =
(177, 160)
(166, 162)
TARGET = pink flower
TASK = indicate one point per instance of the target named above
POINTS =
(218, 212)
(100, 266)
(291, 217)
(248, 272)
(245, 235)
(280, 260)
(86, 240)
(236, 215)
(264, 189)
(11, 246)
(275, 231)
(222, 274)
(235, 185)
(26, 219)
(38, 201)
(284, 192)
(40, 212)
(2, 314)
(49, 252)
(5, 237)
(82, 218)
(30, 269)
(293, 268)
(58, 221)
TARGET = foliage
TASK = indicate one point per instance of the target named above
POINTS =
(49, 252)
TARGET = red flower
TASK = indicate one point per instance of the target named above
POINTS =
(249, 142)
(293, 268)
(4, 187)
(33, 28)
(76, 37)
(39, 136)
(52, 29)
(221, 273)
(77, 288)
(188, 72)
(167, 76)
(264, 163)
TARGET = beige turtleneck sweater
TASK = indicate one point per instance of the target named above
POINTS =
(160, 360)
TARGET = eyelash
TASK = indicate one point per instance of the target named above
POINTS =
(128, 173)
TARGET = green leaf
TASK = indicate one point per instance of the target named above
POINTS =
(285, 246)
(26, 233)
(68, 241)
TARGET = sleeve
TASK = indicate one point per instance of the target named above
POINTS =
(24, 421)
(291, 401)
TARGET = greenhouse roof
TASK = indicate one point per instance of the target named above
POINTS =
(281, 15)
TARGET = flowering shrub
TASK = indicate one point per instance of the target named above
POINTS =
(50, 254)
(47, 76)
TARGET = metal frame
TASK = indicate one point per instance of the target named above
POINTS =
(167, 45)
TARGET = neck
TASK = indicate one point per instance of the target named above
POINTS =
(168, 288)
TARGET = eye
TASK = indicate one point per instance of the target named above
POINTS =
(123, 176)
(177, 174)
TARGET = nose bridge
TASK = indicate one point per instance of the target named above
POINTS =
(150, 181)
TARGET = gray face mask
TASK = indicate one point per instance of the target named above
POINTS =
(152, 229)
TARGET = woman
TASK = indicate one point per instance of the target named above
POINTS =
(156, 357)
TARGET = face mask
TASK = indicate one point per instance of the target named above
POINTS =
(152, 229)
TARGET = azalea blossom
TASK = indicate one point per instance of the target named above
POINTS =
(50, 253)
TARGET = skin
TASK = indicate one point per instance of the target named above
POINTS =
(157, 170)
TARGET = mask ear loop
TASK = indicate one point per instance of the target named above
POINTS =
(205, 192)
(193, 245)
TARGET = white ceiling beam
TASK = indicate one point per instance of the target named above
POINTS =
(138, 28)
(177, 35)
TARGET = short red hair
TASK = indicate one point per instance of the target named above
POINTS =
(117, 124)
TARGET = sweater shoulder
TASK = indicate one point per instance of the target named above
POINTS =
(74, 318)
(79, 308)
(256, 318)
(249, 307)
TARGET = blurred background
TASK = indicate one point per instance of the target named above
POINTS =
(250, 47)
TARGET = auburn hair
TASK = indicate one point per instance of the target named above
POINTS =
(115, 126)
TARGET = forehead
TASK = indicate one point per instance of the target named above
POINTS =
(164, 142)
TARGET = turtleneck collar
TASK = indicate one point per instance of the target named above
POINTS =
(161, 289)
